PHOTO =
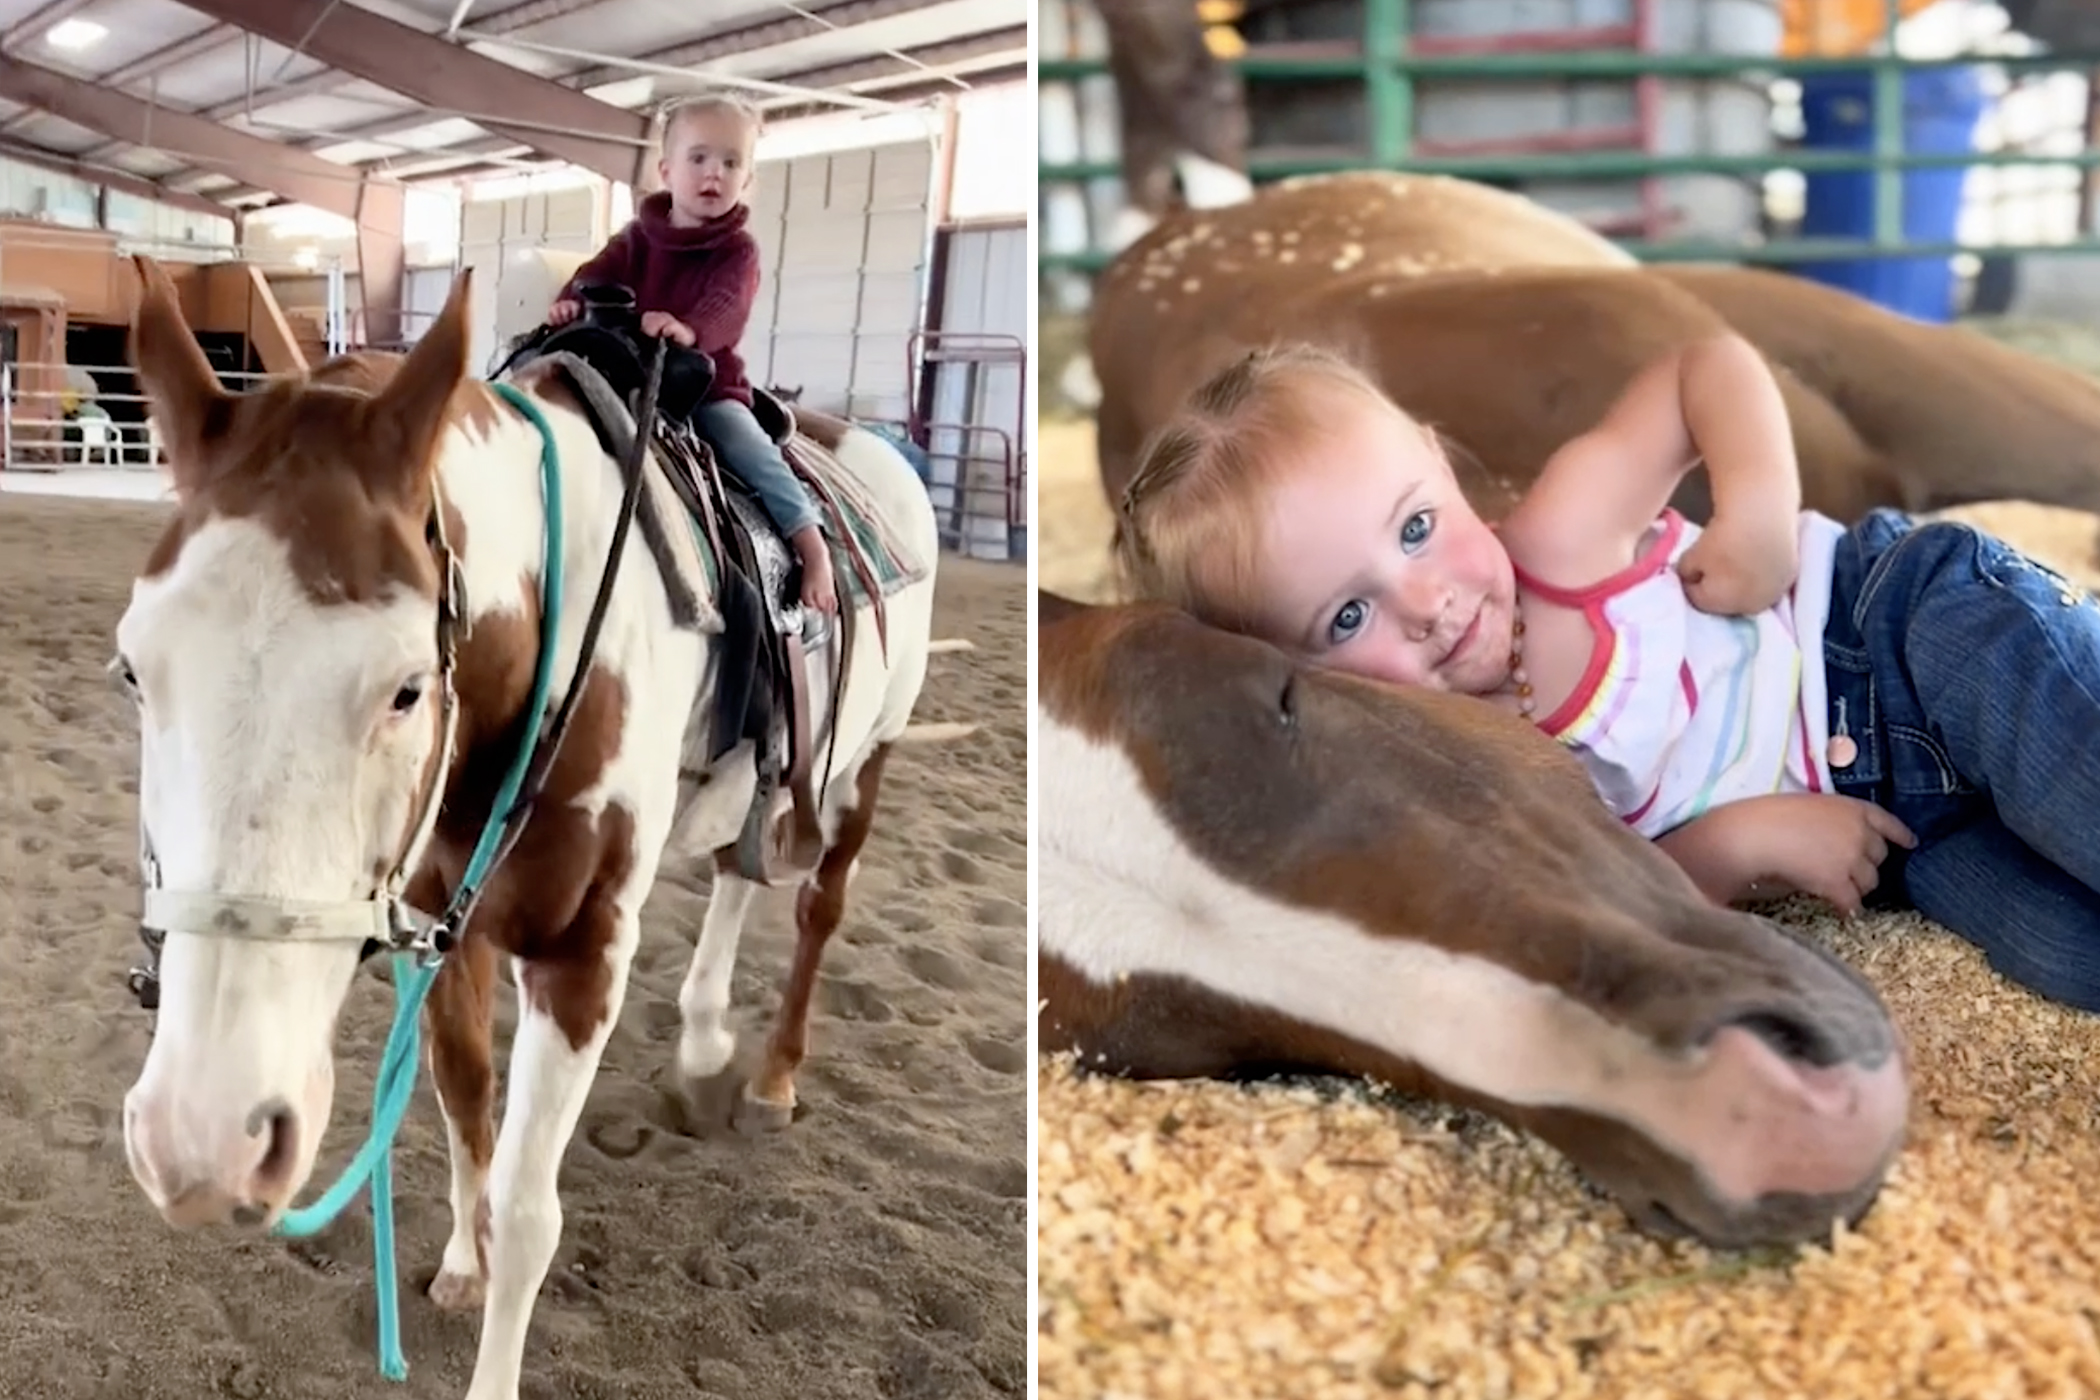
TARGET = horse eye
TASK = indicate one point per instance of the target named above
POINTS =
(120, 668)
(408, 697)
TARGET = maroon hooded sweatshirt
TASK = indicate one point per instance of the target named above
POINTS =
(707, 277)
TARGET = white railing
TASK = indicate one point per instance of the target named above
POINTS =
(116, 431)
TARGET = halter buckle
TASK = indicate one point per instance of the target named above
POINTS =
(144, 977)
(417, 933)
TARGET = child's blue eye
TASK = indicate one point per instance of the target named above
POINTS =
(1349, 619)
(1415, 532)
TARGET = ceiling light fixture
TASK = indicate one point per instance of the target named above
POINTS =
(75, 34)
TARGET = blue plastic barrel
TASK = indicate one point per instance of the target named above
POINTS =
(1940, 111)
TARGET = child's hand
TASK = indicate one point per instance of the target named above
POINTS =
(1741, 566)
(1831, 846)
(670, 327)
(1764, 847)
(563, 312)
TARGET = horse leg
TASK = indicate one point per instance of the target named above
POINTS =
(769, 1100)
(705, 1045)
(566, 1013)
(461, 1015)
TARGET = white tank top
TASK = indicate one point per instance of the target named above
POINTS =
(1679, 711)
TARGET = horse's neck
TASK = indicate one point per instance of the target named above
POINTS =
(494, 482)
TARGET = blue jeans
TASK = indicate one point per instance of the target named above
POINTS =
(756, 459)
(1969, 676)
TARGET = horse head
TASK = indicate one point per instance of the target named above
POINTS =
(287, 646)
(1245, 864)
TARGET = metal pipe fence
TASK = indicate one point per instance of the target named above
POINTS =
(1388, 62)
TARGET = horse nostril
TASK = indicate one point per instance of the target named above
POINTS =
(1791, 1036)
(276, 1124)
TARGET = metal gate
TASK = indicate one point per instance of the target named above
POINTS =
(1379, 68)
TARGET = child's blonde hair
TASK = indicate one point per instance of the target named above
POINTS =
(719, 100)
(1188, 529)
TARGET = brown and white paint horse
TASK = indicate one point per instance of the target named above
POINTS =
(281, 643)
(1244, 864)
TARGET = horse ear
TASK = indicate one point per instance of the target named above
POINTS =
(416, 404)
(187, 402)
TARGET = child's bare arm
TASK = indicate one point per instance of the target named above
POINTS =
(1715, 399)
(1764, 847)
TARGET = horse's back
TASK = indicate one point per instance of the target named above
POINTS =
(887, 487)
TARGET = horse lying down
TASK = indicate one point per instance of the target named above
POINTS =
(1511, 328)
(1245, 864)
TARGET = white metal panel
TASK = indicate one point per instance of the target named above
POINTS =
(522, 248)
(844, 238)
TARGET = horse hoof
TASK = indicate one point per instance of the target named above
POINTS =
(756, 1116)
(457, 1292)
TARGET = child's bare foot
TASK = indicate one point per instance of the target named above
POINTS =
(818, 590)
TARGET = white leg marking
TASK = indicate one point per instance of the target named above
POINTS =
(548, 1085)
(460, 1283)
(706, 1044)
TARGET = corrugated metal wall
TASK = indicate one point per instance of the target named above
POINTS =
(845, 238)
(503, 240)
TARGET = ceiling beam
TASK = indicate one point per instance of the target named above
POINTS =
(210, 37)
(990, 77)
(1002, 43)
(329, 80)
(122, 180)
(945, 58)
(748, 38)
(295, 174)
(998, 43)
(577, 127)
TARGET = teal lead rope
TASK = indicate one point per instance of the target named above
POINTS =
(392, 1091)
(395, 1085)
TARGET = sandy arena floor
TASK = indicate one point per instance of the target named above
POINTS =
(1199, 1240)
(875, 1249)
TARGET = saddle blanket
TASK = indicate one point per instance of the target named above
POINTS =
(683, 556)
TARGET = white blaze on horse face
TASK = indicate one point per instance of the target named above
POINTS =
(276, 759)
(1122, 892)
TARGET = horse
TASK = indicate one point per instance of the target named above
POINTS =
(1246, 865)
(335, 649)
(1512, 328)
